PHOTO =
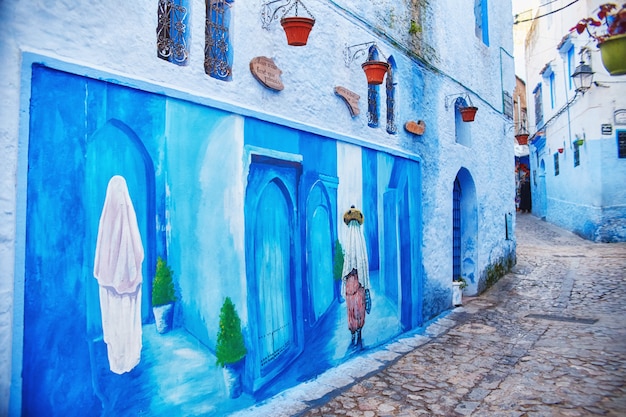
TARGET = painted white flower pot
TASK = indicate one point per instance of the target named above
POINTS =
(232, 379)
(163, 317)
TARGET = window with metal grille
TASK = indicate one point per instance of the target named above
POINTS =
(391, 97)
(456, 229)
(172, 35)
(373, 100)
(538, 106)
(621, 143)
(556, 164)
(576, 155)
(218, 54)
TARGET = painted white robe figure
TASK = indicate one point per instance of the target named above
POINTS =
(354, 248)
(356, 275)
(117, 267)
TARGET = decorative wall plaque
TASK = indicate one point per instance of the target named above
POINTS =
(620, 117)
(266, 72)
(417, 128)
(351, 99)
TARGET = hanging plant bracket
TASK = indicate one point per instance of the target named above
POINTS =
(277, 9)
(467, 112)
(353, 52)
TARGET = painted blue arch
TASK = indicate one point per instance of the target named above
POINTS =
(402, 210)
(274, 286)
(320, 238)
(115, 149)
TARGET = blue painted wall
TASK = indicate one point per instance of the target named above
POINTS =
(240, 208)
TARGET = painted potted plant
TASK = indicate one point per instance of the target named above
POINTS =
(457, 290)
(230, 348)
(608, 29)
(338, 259)
(163, 296)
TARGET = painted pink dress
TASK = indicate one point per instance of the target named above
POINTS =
(355, 300)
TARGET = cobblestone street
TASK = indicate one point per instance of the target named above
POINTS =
(549, 339)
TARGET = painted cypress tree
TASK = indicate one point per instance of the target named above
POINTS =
(230, 347)
(338, 261)
(163, 285)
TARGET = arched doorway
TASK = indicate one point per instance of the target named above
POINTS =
(273, 275)
(464, 229)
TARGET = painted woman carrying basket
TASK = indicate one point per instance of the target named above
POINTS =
(356, 279)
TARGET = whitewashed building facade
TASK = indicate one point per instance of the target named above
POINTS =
(240, 154)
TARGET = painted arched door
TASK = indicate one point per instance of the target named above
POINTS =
(272, 272)
(320, 243)
(116, 150)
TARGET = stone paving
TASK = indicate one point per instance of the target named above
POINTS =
(549, 339)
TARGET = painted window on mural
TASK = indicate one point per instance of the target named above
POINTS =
(482, 22)
(218, 54)
(390, 85)
(172, 35)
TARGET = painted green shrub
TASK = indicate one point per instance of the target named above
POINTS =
(163, 285)
(230, 347)
(338, 261)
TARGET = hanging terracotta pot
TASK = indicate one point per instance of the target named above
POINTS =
(375, 71)
(468, 113)
(522, 138)
(297, 29)
(560, 150)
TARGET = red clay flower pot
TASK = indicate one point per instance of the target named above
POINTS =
(375, 71)
(522, 138)
(297, 29)
(468, 113)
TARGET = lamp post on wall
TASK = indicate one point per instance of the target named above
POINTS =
(583, 77)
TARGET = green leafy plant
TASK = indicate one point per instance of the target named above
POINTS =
(230, 347)
(462, 281)
(414, 28)
(612, 16)
(163, 286)
(338, 261)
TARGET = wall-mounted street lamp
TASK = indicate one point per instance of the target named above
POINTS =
(583, 74)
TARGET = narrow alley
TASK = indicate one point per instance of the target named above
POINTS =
(549, 339)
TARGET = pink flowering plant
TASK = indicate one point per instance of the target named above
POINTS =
(610, 21)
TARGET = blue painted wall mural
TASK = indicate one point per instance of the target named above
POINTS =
(239, 208)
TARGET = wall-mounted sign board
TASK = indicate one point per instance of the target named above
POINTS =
(350, 98)
(266, 72)
(417, 128)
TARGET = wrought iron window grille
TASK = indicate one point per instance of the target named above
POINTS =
(217, 53)
(172, 32)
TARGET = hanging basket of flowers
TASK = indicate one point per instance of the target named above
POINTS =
(608, 29)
